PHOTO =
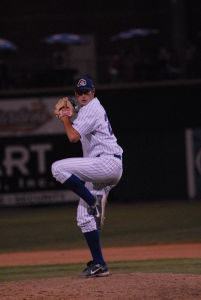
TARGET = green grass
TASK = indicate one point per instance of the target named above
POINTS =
(176, 266)
(41, 228)
(162, 222)
(37, 272)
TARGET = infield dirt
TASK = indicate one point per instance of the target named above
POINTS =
(117, 286)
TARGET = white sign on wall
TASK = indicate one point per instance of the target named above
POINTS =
(31, 139)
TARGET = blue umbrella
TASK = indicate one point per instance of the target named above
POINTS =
(133, 33)
(65, 39)
(7, 45)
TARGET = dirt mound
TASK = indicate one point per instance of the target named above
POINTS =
(138, 286)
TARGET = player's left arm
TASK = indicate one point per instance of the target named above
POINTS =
(72, 134)
(64, 110)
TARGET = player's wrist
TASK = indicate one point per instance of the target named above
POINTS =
(66, 121)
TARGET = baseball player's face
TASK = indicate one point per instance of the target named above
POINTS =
(84, 98)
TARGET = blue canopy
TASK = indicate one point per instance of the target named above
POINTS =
(7, 45)
(64, 38)
(133, 33)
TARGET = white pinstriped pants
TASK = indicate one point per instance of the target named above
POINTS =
(101, 174)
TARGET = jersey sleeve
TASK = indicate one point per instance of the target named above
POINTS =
(86, 121)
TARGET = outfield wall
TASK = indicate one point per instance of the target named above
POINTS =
(150, 122)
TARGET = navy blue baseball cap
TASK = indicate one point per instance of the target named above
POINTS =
(83, 84)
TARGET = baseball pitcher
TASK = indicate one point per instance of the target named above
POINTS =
(92, 176)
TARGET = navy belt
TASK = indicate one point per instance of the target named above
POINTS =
(115, 155)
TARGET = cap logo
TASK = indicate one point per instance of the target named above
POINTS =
(82, 82)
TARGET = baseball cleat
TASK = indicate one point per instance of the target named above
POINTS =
(98, 210)
(95, 270)
(89, 264)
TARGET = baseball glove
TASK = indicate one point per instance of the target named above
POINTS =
(66, 106)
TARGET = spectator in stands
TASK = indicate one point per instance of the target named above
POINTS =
(114, 68)
(168, 64)
(163, 62)
(128, 67)
(190, 60)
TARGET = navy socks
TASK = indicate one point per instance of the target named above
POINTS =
(93, 241)
(78, 187)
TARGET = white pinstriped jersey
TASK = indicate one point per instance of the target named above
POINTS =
(101, 173)
(95, 130)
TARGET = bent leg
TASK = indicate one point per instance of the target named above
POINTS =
(88, 226)
(106, 170)
(71, 181)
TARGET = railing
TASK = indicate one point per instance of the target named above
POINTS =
(45, 73)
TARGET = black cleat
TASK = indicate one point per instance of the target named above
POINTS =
(95, 270)
(89, 264)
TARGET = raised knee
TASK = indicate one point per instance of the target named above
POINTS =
(59, 172)
(54, 169)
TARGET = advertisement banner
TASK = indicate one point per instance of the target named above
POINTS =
(31, 139)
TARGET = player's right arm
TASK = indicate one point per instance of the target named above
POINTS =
(72, 134)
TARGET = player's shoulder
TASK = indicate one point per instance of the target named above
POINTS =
(95, 101)
(92, 109)
(98, 107)
(93, 104)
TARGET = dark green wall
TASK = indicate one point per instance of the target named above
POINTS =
(149, 122)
